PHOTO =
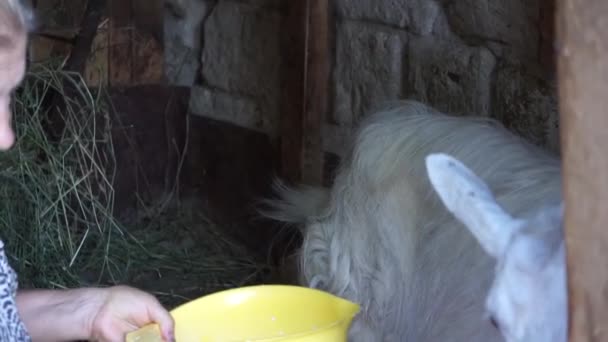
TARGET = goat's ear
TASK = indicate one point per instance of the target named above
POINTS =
(470, 200)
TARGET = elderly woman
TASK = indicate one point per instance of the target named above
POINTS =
(101, 314)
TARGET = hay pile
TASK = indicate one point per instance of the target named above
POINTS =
(56, 218)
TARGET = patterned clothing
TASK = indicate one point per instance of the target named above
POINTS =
(11, 326)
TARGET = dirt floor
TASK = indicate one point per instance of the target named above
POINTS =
(223, 171)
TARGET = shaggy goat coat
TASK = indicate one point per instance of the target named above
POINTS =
(382, 238)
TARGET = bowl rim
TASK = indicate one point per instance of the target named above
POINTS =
(324, 327)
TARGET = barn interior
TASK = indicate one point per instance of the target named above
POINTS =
(149, 130)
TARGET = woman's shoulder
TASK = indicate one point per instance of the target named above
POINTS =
(4, 263)
(8, 277)
(11, 326)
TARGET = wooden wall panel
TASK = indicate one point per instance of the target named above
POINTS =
(583, 95)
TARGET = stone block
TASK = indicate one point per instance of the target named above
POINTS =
(512, 24)
(183, 20)
(418, 16)
(450, 75)
(226, 107)
(527, 106)
(181, 65)
(241, 51)
(368, 69)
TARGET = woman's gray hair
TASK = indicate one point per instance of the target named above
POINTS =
(22, 13)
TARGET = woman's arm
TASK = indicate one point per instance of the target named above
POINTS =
(101, 314)
(59, 315)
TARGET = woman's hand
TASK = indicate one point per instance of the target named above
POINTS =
(99, 314)
(123, 309)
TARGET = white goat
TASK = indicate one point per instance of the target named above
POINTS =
(381, 236)
(528, 300)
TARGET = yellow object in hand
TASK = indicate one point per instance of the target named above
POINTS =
(259, 314)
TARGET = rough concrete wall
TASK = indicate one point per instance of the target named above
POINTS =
(467, 57)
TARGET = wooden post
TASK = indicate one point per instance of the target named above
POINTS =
(304, 101)
(583, 93)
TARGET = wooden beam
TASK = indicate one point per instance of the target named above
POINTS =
(583, 96)
(306, 83)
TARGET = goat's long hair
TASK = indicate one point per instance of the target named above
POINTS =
(380, 236)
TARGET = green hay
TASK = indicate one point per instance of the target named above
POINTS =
(56, 216)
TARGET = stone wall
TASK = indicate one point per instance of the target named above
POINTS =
(468, 57)
(234, 72)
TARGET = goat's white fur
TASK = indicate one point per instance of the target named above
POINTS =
(528, 299)
(381, 237)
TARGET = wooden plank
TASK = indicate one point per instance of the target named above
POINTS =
(57, 23)
(148, 44)
(148, 17)
(79, 55)
(73, 31)
(304, 101)
(120, 45)
(96, 69)
(583, 88)
(148, 60)
(135, 55)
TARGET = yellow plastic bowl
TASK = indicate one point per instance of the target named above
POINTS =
(259, 313)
